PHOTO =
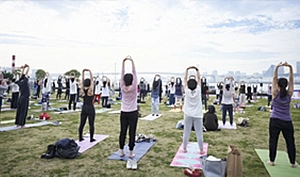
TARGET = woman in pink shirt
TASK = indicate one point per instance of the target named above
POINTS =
(129, 112)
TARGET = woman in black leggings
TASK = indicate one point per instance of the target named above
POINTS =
(88, 110)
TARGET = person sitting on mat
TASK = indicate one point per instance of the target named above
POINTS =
(192, 109)
(155, 95)
(129, 112)
(23, 101)
(87, 110)
(280, 118)
(210, 119)
(228, 100)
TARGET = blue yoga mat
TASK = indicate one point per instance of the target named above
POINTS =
(140, 149)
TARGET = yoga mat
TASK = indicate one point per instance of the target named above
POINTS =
(170, 106)
(37, 104)
(115, 112)
(62, 101)
(140, 149)
(86, 144)
(150, 117)
(40, 110)
(7, 109)
(227, 125)
(175, 110)
(282, 164)
(68, 111)
(99, 111)
(7, 121)
(28, 126)
(191, 158)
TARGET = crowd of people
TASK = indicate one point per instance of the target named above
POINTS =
(190, 95)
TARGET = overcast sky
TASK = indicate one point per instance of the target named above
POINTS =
(167, 35)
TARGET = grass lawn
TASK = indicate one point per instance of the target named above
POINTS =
(20, 150)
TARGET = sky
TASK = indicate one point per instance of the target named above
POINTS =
(169, 35)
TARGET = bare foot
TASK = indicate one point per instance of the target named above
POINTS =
(202, 152)
(270, 163)
(122, 154)
(184, 150)
(23, 126)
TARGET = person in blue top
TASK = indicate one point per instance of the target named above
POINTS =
(178, 93)
(280, 119)
(155, 92)
(23, 101)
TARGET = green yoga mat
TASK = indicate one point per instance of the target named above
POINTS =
(282, 166)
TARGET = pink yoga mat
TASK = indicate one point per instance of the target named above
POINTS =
(86, 144)
(191, 158)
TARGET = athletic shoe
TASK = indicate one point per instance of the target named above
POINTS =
(129, 164)
(134, 164)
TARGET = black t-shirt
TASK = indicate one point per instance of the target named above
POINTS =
(24, 87)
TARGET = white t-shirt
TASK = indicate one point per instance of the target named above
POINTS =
(172, 89)
(14, 87)
(227, 96)
(73, 87)
(46, 89)
(97, 89)
(193, 103)
(105, 91)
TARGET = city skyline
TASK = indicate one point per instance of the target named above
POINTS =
(167, 36)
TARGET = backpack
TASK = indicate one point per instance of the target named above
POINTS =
(66, 148)
(44, 116)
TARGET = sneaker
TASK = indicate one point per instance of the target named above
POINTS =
(133, 164)
(129, 164)
(156, 114)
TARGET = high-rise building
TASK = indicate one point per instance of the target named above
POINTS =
(298, 67)
(270, 71)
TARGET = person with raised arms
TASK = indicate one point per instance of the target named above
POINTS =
(178, 93)
(129, 111)
(73, 91)
(155, 95)
(172, 91)
(23, 101)
(88, 110)
(60, 87)
(15, 90)
(105, 91)
(193, 115)
(280, 118)
(46, 91)
(242, 90)
(143, 89)
(3, 88)
(228, 100)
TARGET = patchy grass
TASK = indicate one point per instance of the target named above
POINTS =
(20, 150)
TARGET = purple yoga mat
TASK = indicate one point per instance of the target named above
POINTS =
(86, 144)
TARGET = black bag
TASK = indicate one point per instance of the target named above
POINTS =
(66, 148)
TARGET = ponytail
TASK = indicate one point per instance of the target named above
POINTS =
(283, 92)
